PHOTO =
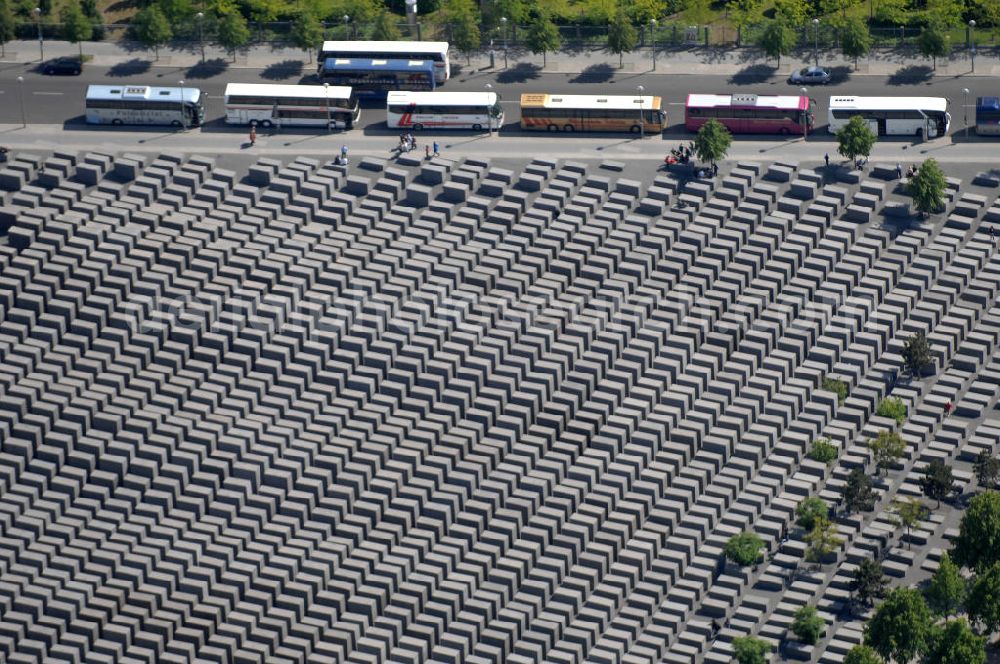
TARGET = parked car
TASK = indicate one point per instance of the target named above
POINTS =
(810, 76)
(63, 66)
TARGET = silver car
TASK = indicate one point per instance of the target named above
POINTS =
(810, 76)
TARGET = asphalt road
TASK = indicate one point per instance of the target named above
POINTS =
(57, 100)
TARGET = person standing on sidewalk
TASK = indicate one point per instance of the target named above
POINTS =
(437, 151)
(253, 135)
(826, 158)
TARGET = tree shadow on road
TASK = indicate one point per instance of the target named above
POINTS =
(911, 75)
(279, 71)
(753, 74)
(208, 68)
(524, 71)
(599, 73)
(132, 67)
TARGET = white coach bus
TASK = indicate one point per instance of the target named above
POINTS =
(893, 116)
(437, 52)
(268, 104)
(144, 104)
(444, 110)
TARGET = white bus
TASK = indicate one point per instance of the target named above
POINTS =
(444, 110)
(267, 105)
(144, 104)
(437, 52)
(893, 116)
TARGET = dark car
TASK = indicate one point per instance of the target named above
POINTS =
(64, 66)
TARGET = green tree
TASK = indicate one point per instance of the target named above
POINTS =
(987, 469)
(809, 510)
(978, 542)
(744, 13)
(385, 27)
(856, 138)
(933, 42)
(901, 627)
(232, 32)
(983, 602)
(777, 39)
(697, 12)
(868, 582)
(909, 512)
(892, 12)
(956, 643)
(307, 31)
(744, 549)
(750, 650)
(622, 36)
(176, 11)
(927, 187)
(838, 387)
(76, 27)
(463, 17)
(859, 492)
(855, 38)
(543, 36)
(823, 451)
(264, 11)
(712, 142)
(807, 625)
(985, 12)
(822, 540)
(946, 591)
(892, 407)
(937, 481)
(862, 655)
(151, 28)
(791, 12)
(6, 26)
(947, 13)
(916, 354)
(887, 448)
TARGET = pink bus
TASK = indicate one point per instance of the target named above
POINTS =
(750, 114)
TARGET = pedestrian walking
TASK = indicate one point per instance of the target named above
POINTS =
(826, 158)
(715, 170)
(427, 151)
(948, 407)
(343, 154)
(253, 135)
(437, 150)
(899, 171)
(993, 236)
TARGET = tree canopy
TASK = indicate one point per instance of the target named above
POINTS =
(822, 540)
(823, 451)
(855, 139)
(744, 548)
(307, 31)
(956, 643)
(622, 36)
(855, 38)
(945, 592)
(543, 36)
(750, 650)
(901, 627)
(933, 42)
(232, 32)
(937, 480)
(983, 601)
(859, 492)
(987, 469)
(807, 625)
(385, 27)
(909, 512)
(777, 39)
(887, 447)
(893, 407)
(809, 510)
(862, 655)
(6, 25)
(916, 353)
(927, 187)
(712, 142)
(978, 542)
(869, 582)
(76, 27)
(151, 28)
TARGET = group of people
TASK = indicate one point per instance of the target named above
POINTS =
(407, 142)
(682, 155)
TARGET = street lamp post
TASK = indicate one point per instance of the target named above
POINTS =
(347, 30)
(326, 94)
(183, 115)
(652, 30)
(503, 23)
(201, 34)
(37, 11)
(20, 94)
(972, 44)
(965, 110)
(816, 42)
(489, 115)
(805, 123)
(642, 119)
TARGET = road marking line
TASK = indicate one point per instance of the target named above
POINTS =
(47, 93)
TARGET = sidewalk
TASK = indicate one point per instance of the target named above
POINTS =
(746, 62)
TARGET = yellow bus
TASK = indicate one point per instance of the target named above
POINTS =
(634, 113)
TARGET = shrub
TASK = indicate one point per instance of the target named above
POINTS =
(808, 625)
(838, 387)
(823, 451)
(892, 407)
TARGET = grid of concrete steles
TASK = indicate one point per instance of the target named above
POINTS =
(417, 465)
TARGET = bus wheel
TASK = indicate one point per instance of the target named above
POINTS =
(569, 128)
(266, 124)
(635, 129)
(783, 131)
(919, 133)
(175, 123)
(477, 127)
(553, 128)
(116, 122)
(418, 127)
